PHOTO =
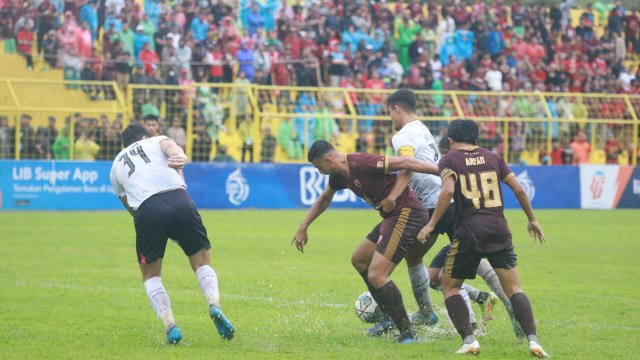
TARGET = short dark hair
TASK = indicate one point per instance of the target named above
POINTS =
(444, 145)
(463, 130)
(404, 98)
(319, 149)
(151, 117)
(133, 133)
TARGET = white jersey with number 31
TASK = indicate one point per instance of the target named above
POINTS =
(415, 140)
(140, 171)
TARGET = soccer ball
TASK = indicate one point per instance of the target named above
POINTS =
(367, 309)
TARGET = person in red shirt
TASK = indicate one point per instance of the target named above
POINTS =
(282, 71)
(612, 148)
(25, 44)
(375, 83)
(556, 153)
(350, 83)
(534, 51)
(295, 43)
(520, 48)
(149, 59)
(215, 59)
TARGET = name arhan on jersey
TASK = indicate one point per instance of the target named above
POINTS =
(475, 161)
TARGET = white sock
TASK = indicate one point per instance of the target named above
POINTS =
(208, 281)
(465, 296)
(485, 270)
(473, 292)
(160, 301)
(420, 285)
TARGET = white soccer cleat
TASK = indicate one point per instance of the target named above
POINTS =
(536, 350)
(473, 348)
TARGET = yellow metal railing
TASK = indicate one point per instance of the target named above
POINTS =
(519, 125)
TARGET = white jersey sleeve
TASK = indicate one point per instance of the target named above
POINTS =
(141, 171)
(415, 140)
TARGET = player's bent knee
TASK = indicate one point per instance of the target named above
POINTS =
(378, 279)
(359, 262)
(434, 278)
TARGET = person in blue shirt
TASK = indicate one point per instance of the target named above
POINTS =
(269, 9)
(495, 43)
(464, 42)
(245, 60)
(200, 27)
(349, 37)
(256, 19)
(139, 39)
(377, 42)
(113, 19)
(89, 14)
(152, 9)
(449, 48)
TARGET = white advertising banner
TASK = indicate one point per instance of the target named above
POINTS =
(598, 186)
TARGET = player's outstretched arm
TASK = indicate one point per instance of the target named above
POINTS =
(444, 199)
(535, 230)
(177, 157)
(403, 177)
(318, 207)
(411, 164)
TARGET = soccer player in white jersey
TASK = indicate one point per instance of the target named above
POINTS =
(147, 177)
(414, 139)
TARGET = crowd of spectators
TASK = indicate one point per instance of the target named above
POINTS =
(461, 45)
(93, 138)
(458, 46)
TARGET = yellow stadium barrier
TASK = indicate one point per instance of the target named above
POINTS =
(521, 126)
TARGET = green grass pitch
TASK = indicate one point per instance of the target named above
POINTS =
(70, 288)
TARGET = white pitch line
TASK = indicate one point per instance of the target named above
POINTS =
(272, 300)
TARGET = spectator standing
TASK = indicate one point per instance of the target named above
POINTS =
(61, 147)
(89, 14)
(201, 145)
(407, 30)
(245, 131)
(245, 59)
(289, 140)
(25, 43)
(46, 21)
(268, 146)
(581, 149)
(213, 116)
(176, 132)
(85, 147)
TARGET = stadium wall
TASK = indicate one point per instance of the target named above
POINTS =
(51, 185)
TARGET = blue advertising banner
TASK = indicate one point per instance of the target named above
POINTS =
(56, 185)
(548, 187)
(264, 186)
(49, 185)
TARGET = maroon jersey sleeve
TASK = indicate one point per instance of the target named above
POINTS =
(447, 168)
(505, 171)
(369, 163)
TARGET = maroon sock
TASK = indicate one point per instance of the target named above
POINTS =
(523, 313)
(391, 297)
(459, 315)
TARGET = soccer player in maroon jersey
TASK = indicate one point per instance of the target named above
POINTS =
(368, 176)
(472, 175)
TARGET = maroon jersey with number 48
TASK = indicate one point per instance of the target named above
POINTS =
(369, 178)
(480, 217)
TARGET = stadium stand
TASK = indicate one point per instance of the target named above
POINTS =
(530, 74)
